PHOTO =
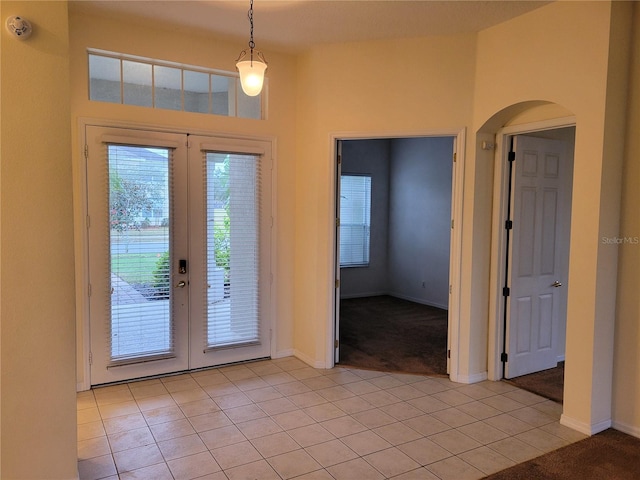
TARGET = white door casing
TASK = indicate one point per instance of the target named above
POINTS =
(189, 237)
(537, 276)
(455, 261)
(336, 297)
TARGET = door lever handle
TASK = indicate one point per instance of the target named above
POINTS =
(181, 284)
(556, 284)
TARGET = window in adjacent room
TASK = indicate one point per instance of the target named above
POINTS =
(355, 220)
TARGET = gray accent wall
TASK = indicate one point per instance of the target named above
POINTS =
(370, 157)
(410, 218)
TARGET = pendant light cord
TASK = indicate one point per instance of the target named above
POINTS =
(252, 44)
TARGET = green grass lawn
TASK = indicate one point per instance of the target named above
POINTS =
(135, 267)
(140, 235)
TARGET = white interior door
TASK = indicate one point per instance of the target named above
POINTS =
(537, 273)
(179, 252)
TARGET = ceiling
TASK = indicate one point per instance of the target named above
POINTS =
(293, 26)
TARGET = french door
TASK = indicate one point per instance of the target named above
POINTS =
(179, 230)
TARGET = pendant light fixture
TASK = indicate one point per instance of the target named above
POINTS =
(251, 70)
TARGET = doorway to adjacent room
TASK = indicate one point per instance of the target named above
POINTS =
(393, 242)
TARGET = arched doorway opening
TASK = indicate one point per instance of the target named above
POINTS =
(533, 145)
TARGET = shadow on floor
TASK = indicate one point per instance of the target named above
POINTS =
(547, 383)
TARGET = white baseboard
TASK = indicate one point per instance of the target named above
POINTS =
(349, 296)
(583, 427)
(308, 360)
(82, 386)
(473, 378)
(396, 295)
(419, 300)
(632, 430)
(283, 353)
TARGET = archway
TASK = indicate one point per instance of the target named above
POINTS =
(541, 120)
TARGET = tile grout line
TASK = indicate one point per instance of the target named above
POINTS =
(237, 383)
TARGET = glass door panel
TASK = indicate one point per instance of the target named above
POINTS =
(141, 324)
(232, 250)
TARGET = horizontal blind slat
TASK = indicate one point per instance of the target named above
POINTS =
(355, 219)
(139, 185)
(232, 187)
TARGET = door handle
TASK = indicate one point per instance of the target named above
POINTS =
(556, 284)
(181, 284)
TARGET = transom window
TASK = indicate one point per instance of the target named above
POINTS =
(355, 220)
(129, 80)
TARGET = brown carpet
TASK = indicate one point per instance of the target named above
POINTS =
(609, 455)
(547, 383)
(390, 334)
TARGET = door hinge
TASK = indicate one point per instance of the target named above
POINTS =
(451, 224)
(449, 353)
(450, 289)
(512, 156)
(337, 283)
(337, 222)
(86, 151)
(339, 159)
(508, 225)
(336, 343)
(506, 291)
(90, 358)
(504, 357)
(455, 157)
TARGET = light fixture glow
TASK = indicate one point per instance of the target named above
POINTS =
(251, 71)
(251, 76)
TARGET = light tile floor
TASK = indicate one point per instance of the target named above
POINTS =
(280, 419)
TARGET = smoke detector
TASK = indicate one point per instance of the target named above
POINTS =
(19, 27)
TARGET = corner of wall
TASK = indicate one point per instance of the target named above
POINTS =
(626, 367)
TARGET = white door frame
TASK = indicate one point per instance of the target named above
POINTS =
(457, 184)
(82, 241)
(499, 216)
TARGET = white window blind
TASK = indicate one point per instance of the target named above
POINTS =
(140, 325)
(232, 196)
(355, 220)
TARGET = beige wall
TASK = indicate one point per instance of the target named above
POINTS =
(37, 312)
(626, 384)
(88, 31)
(563, 53)
(559, 53)
(397, 88)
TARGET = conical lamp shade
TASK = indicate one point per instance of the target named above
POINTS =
(251, 76)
